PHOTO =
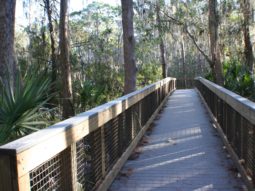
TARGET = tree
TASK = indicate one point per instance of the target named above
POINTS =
(247, 15)
(189, 20)
(48, 9)
(214, 43)
(7, 28)
(67, 95)
(183, 58)
(129, 46)
(161, 44)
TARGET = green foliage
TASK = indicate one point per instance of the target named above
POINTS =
(102, 84)
(238, 79)
(148, 73)
(20, 107)
(209, 76)
(92, 95)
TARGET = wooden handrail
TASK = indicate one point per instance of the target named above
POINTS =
(242, 105)
(234, 118)
(20, 157)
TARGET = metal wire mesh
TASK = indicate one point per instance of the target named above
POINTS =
(124, 134)
(248, 149)
(127, 133)
(89, 160)
(148, 105)
(136, 113)
(112, 139)
(238, 136)
(53, 174)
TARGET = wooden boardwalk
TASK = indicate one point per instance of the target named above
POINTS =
(183, 153)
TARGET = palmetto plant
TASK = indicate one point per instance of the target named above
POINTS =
(239, 79)
(20, 106)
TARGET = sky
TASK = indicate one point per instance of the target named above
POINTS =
(75, 5)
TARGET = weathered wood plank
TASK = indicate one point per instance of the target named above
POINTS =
(24, 182)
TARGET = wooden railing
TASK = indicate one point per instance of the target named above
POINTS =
(234, 118)
(84, 152)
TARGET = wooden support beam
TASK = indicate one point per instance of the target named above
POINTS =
(73, 170)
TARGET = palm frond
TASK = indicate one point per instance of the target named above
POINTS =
(20, 105)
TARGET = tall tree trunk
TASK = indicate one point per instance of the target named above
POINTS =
(247, 15)
(214, 43)
(7, 54)
(128, 46)
(48, 9)
(183, 60)
(161, 45)
(67, 95)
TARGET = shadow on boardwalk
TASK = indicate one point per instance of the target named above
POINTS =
(183, 153)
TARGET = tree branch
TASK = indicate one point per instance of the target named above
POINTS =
(198, 48)
(180, 23)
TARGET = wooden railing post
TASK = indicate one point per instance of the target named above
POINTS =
(132, 124)
(8, 173)
(75, 187)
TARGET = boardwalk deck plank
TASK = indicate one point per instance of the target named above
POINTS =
(183, 153)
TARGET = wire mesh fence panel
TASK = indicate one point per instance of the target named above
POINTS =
(248, 148)
(237, 142)
(136, 115)
(127, 138)
(232, 127)
(250, 132)
(84, 166)
(53, 175)
(122, 133)
(220, 115)
(111, 138)
(225, 118)
(146, 107)
(89, 160)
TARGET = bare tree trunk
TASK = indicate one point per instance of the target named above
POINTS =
(214, 43)
(247, 14)
(48, 9)
(68, 109)
(161, 45)
(7, 54)
(129, 46)
(183, 60)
